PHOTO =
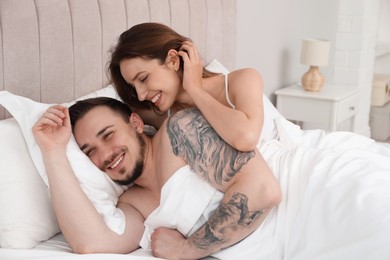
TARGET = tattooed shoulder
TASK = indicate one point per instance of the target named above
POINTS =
(193, 139)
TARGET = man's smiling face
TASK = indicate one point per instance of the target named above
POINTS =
(111, 143)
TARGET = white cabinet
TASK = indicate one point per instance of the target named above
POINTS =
(329, 107)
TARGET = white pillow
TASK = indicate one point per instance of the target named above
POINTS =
(100, 189)
(269, 130)
(27, 217)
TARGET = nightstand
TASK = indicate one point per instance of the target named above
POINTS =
(328, 107)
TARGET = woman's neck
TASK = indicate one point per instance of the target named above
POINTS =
(210, 84)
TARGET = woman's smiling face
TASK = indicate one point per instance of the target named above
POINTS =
(153, 81)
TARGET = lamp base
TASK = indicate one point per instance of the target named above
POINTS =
(313, 80)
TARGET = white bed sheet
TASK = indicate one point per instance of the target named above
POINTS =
(57, 249)
(337, 194)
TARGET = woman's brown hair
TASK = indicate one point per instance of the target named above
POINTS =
(148, 41)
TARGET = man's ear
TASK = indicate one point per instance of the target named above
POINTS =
(137, 122)
(173, 59)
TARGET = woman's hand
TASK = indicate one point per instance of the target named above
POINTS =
(53, 129)
(193, 66)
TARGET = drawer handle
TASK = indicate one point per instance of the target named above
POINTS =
(351, 108)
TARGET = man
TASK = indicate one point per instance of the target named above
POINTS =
(112, 137)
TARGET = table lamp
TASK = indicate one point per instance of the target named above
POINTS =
(314, 53)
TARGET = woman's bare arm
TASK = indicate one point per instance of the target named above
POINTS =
(240, 127)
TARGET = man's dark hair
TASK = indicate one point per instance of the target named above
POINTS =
(80, 108)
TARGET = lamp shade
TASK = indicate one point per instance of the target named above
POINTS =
(315, 52)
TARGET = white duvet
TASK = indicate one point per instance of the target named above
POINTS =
(336, 203)
(336, 200)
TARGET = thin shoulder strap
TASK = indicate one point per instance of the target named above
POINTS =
(227, 92)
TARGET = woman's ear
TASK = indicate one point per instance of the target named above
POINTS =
(137, 122)
(173, 59)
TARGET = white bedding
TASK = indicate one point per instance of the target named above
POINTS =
(336, 200)
(57, 249)
(336, 194)
(336, 203)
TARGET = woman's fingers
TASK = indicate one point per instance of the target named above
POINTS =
(190, 49)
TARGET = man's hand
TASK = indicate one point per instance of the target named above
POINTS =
(53, 129)
(168, 243)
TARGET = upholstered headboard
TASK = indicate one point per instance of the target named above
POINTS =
(54, 51)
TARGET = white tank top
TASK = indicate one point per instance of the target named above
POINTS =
(227, 95)
(227, 92)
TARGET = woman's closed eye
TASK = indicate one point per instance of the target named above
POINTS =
(143, 79)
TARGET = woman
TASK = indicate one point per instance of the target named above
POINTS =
(156, 70)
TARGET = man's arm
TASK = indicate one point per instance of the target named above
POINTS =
(81, 224)
(250, 189)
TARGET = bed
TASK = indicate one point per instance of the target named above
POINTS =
(336, 196)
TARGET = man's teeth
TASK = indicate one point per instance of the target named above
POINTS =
(117, 162)
(156, 97)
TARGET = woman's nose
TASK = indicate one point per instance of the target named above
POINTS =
(142, 93)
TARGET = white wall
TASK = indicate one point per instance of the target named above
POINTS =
(270, 33)
(382, 63)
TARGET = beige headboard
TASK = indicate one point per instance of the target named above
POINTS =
(54, 51)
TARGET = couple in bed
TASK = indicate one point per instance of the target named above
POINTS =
(192, 150)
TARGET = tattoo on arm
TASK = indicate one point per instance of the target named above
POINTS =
(193, 138)
(229, 216)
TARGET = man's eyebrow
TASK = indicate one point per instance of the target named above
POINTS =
(84, 146)
(103, 130)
